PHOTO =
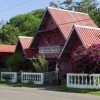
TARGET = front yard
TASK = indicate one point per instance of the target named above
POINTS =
(29, 85)
(53, 88)
(77, 90)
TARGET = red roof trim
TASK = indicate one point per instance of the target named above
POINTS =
(7, 48)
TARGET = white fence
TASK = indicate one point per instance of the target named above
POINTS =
(89, 81)
(12, 76)
(36, 78)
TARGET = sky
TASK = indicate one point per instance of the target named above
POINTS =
(9, 8)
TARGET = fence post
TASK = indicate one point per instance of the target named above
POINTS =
(42, 78)
(67, 79)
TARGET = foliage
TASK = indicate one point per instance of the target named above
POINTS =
(86, 6)
(40, 63)
(7, 84)
(8, 34)
(24, 24)
(95, 15)
(16, 62)
(38, 13)
(66, 4)
(2, 23)
(27, 23)
(87, 60)
(77, 90)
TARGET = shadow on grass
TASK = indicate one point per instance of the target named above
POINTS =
(77, 90)
(30, 85)
(53, 88)
(72, 90)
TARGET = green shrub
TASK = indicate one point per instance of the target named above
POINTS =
(15, 62)
(40, 63)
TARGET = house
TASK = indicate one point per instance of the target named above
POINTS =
(5, 52)
(54, 31)
(23, 46)
(79, 36)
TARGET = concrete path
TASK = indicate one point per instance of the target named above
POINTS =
(17, 93)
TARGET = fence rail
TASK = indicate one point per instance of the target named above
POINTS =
(12, 76)
(36, 78)
(91, 81)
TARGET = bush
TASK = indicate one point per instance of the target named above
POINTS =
(40, 63)
(86, 60)
(15, 62)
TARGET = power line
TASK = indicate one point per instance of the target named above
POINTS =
(15, 6)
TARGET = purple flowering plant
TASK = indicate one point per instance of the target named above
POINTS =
(86, 60)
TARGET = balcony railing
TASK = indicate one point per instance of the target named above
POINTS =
(50, 49)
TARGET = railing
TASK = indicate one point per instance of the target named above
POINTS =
(36, 78)
(89, 81)
(10, 76)
(50, 49)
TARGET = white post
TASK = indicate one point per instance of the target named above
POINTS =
(42, 78)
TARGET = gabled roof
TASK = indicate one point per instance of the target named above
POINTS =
(88, 35)
(25, 43)
(7, 48)
(65, 19)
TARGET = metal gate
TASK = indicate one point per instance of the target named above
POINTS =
(51, 78)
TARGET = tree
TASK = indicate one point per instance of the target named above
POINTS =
(86, 60)
(38, 13)
(40, 63)
(9, 34)
(27, 23)
(66, 4)
(2, 23)
(16, 62)
(24, 24)
(95, 15)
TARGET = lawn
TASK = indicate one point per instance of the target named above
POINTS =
(58, 88)
(3, 84)
(77, 90)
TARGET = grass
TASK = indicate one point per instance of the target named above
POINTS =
(60, 88)
(77, 90)
(30, 85)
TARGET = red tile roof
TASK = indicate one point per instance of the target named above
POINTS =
(25, 43)
(88, 35)
(65, 19)
(7, 48)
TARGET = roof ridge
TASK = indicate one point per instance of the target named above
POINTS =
(89, 27)
(66, 10)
